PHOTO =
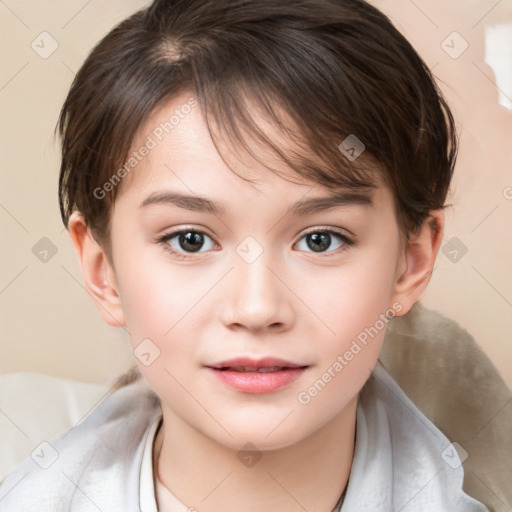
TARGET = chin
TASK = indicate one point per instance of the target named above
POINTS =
(262, 435)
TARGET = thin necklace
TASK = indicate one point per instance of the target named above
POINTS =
(157, 445)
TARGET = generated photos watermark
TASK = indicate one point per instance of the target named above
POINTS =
(343, 360)
(157, 135)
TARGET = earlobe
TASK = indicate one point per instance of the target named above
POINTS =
(418, 258)
(97, 272)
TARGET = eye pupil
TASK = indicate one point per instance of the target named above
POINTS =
(191, 241)
(319, 242)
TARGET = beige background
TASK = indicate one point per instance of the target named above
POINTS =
(49, 324)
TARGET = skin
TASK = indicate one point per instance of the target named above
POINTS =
(291, 302)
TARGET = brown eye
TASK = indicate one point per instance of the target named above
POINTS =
(191, 241)
(321, 241)
(187, 241)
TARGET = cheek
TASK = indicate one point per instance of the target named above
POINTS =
(354, 309)
(157, 295)
(159, 304)
(353, 297)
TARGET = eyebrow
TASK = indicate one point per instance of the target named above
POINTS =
(301, 208)
(188, 202)
(333, 200)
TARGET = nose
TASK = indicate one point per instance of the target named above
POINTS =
(256, 298)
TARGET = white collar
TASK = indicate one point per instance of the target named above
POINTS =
(398, 459)
(397, 465)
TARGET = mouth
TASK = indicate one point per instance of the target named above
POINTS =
(257, 376)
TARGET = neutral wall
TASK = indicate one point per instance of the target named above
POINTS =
(50, 324)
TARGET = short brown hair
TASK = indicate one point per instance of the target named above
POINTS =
(335, 67)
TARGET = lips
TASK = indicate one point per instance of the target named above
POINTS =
(257, 376)
(245, 364)
(264, 369)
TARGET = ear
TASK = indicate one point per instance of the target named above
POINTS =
(97, 272)
(417, 261)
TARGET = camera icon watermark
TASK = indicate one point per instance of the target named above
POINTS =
(352, 147)
(44, 45)
(249, 455)
(507, 193)
(44, 250)
(44, 455)
(454, 455)
(249, 249)
(454, 45)
(146, 352)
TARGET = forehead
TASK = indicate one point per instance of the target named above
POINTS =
(174, 147)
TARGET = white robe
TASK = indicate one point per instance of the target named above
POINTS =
(402, 461)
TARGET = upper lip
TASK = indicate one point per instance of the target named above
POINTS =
(249, 363)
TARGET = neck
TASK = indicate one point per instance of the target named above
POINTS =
(205, 475)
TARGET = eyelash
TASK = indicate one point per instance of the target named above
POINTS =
(163, 240)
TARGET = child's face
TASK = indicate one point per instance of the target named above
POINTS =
(254, 289)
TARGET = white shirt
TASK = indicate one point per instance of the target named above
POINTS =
(154, 496)
(106, 463)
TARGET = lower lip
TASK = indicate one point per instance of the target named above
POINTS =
(258, 382)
